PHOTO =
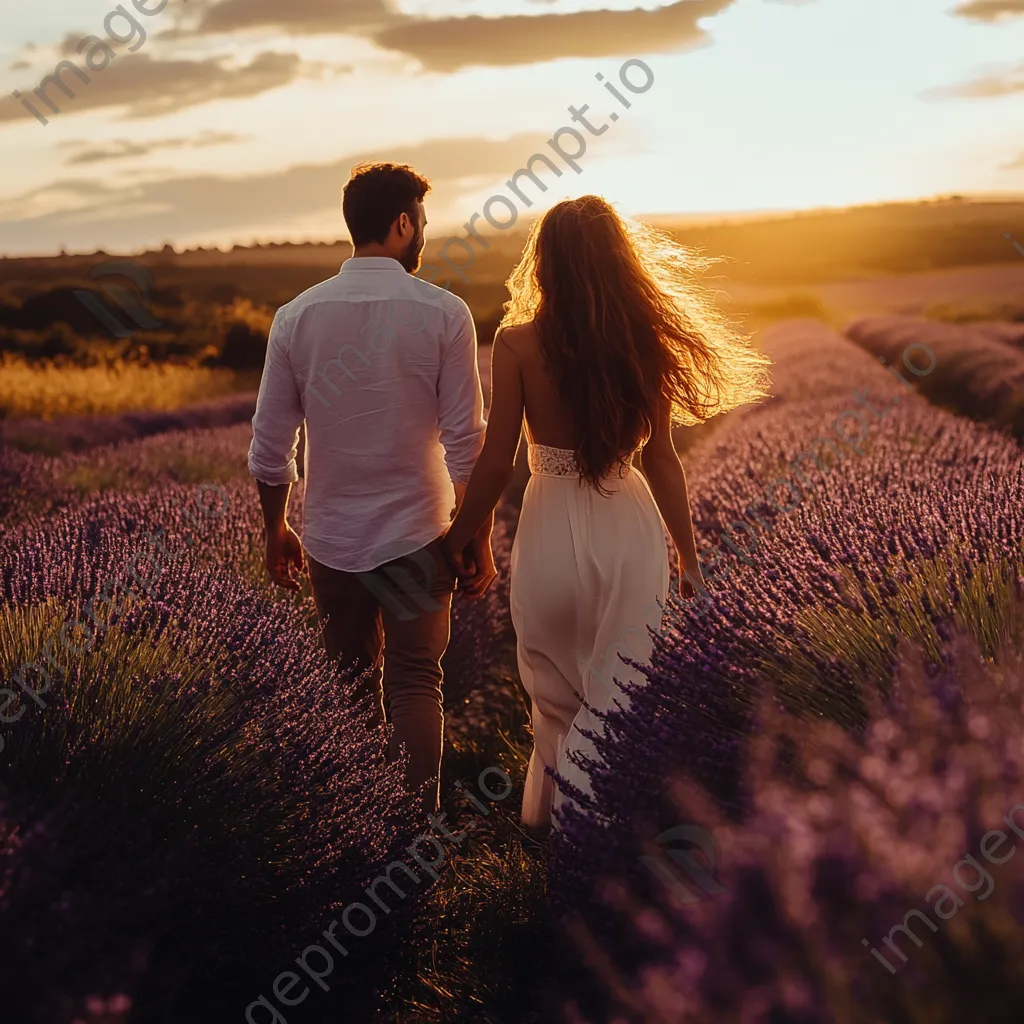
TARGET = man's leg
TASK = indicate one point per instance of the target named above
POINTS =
(417, 626)
(350, 621)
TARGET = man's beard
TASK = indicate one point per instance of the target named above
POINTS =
(411, 257)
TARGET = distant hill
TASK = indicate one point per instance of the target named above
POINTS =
(771, 250)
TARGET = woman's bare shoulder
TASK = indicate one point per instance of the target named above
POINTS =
(520, 338)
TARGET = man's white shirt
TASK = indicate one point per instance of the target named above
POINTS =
(383, 368)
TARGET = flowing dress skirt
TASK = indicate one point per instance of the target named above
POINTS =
(588, 573)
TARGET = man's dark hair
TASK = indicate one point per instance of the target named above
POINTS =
(376, 196)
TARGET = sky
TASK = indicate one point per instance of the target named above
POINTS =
(212, 122)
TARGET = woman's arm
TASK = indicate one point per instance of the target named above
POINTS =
(667, 479)
(494, 468)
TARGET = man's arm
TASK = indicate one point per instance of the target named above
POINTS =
(462, 426)
(460, 497)
(279, 414)
(461, 402)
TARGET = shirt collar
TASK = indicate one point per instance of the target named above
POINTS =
(371, 263)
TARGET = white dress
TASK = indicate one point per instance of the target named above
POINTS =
(589, 575)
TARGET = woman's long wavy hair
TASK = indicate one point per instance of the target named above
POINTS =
(624, 327)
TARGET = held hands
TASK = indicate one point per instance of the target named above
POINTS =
(284, 560)
(473, 565)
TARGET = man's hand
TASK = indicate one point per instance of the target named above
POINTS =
(284, 560)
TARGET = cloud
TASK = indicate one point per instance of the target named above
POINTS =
(451, 43)
(146, 87)
(1014, 165)
(999, 83)
(85, 212)
(121, 149)
(68, 46)
(447, 44)
(298, 16)
(990, 10)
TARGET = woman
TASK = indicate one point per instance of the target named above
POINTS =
(604, 345)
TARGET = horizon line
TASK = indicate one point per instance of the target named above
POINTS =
(678, 217)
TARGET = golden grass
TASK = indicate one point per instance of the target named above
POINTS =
(181, 466)
(972, 312)
(755, 316)
(44, 390)
(987, 612)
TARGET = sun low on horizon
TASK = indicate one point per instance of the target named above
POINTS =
(212, 122)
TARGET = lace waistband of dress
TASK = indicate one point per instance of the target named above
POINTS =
(547, 461)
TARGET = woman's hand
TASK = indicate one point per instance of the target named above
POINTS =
(483, 571)
(687, 588)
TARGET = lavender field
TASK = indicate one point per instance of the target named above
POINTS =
(187, 799)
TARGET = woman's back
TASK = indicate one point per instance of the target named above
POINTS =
(548, 421)
(586, 566)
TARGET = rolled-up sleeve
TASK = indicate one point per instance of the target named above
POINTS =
(461, 399)
(279, 413)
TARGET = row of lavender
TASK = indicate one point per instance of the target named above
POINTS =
(979, 367)
(188, 797)
(746, 738)
(33, 486)
(80, 433)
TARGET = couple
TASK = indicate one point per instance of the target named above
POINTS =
(603, 346)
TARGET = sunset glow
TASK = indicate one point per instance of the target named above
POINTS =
(238, 120)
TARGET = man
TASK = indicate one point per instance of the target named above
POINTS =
(383, 369)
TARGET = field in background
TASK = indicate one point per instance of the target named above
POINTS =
(947, 260)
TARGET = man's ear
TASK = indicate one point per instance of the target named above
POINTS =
(404, 224)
